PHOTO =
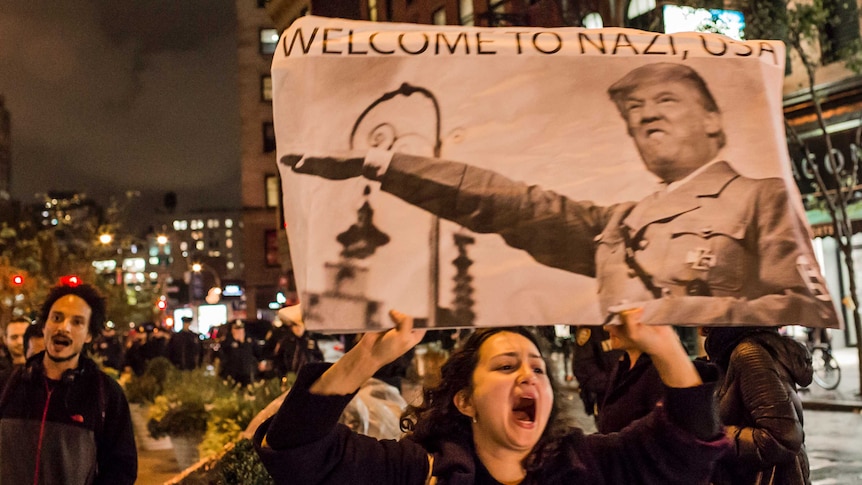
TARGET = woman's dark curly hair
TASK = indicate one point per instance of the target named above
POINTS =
(437, 420)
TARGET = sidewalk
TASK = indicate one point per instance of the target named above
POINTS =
(843, 398)
(156, 467)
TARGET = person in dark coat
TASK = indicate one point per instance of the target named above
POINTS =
(63, 420)
(237, 359)
(490, 420)
(184, 349)
(108, 347)
(592, 362)
(297, 347)
(134, 357)
(157, 344)
(759, 406)
(634, 389)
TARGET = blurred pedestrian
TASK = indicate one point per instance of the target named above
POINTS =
(592, 361)
(14, 338)
(759, 406)
(107, 346)
(157, 343)
(634, 388)
(134, 356)
(62, 420)
(34, 340)
(267, 365)
(297, 347)
(184, 349)
(237, 359)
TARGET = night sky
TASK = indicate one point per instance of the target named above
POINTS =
(108, 96)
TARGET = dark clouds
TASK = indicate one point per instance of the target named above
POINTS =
(109, 96)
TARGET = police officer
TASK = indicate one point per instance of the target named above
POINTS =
(592, 363)
(237, 357)
(712, 246)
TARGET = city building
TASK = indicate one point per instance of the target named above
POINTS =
(265, 264)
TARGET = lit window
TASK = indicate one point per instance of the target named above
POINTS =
(268, 40)
(466, 11)
(154, 260)
(272, 190)
(266, 88)
(200, 245)
(212, 223)
(439, 16)
(228, 223)
(228, 243)
(372, 10)
(228, 233)
(593, 20)
(229, 265)
(184, 246)
(640, 7)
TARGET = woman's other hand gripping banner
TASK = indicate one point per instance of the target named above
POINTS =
(500, 176)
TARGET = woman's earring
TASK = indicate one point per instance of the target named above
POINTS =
(475, 420)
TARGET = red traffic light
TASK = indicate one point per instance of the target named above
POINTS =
(70, 280)
(17, 280)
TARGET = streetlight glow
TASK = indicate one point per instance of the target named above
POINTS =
(197, 267)
(162, 239)
(105, 238)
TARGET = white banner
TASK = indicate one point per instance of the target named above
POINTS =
(481, 177)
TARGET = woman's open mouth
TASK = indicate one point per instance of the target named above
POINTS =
(525, 409)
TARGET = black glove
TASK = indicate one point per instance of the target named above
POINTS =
(331, 168)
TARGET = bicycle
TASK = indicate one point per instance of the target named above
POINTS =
(827, 372)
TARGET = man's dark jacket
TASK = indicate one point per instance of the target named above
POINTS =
(78, 429)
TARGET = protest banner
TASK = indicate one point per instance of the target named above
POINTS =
(514, 176)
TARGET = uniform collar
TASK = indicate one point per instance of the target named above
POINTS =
(663, 205)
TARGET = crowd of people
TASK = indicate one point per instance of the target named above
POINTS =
(275, 349)
(491, 416)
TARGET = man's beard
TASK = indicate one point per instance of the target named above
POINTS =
(59, 360)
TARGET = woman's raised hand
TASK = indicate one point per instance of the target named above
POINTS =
(385, 347)
(373, 351)
(662, 343)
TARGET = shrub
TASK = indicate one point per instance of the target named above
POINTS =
(144, 389)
